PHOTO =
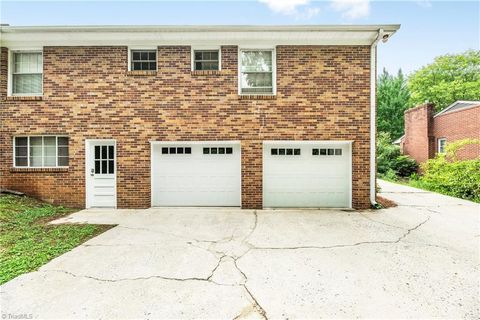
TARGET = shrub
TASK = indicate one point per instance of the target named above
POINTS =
(447, 175)
(405, 166)
(390, 162)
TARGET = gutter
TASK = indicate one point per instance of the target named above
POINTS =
(381, 35)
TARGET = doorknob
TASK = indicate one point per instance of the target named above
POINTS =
(92, 172)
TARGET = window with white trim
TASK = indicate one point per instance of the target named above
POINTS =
(206, 60)
(27, 73)
(143, 60)
(257, 71)
(40, 151)
(442, 142)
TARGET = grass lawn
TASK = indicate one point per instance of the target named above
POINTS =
(27, 241)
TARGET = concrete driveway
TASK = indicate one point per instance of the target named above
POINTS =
(417, 260)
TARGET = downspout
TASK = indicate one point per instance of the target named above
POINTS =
(373, 114)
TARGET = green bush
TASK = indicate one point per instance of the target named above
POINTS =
(390, 162)
(405, 166)
(445, 174)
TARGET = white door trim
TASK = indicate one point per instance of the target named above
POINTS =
(88, 142)
(156, 143)
(348, 143)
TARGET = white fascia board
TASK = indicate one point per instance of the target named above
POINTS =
(213, 35)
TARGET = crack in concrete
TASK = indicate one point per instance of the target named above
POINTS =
(222, 255)
(347, 245)
(138, 278)
(382, 223)
(256, 305)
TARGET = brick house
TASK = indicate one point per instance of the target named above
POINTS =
(133, 117)
(427, 133)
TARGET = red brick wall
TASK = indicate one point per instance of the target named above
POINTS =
(322, 94)
(418, 140)
(458, 125)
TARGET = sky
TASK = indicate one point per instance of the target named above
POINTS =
(429, 28)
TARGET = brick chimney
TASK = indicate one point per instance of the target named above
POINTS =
(419, 142)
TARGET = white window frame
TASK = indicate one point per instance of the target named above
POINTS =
(28, 151)
(129, 55)
(11, 67)
(274, 70)
(210, 48)
(439, 145)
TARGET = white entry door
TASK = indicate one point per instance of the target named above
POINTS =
(309, 174)
(196, 174)
(101, 185)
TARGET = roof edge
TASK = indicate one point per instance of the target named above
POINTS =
(473, 103)
(199, 28)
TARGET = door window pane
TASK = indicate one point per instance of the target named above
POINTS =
(104, 166)
(97, 166)
(97, 152)
(110, 166)
(104, 152)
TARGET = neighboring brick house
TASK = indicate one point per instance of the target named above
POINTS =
(133, 117)
(427, 133)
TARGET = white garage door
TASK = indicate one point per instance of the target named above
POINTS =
(196, 174)
(307, 174)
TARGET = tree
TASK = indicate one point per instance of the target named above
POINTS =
(392, 100)
(449, 78)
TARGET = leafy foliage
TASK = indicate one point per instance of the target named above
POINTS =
(444, 174)
(27, 242)
(393, 98)
(390, 163)
(448, 79)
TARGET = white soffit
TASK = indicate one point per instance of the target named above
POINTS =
(12, 36)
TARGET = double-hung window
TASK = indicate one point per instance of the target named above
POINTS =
(41, 151)
(441, 145)
(257, 72)
(206, 59)
(27, 73)
(143, 60)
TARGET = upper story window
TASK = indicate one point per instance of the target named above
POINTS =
(206, 59)
(257, 72)
(442, 142)
(40, 151)
(26, 73)
(143, 60)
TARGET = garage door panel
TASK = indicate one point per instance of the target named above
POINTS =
(196, 179)
(317, 176)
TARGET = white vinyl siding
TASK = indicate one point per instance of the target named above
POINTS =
(41, 151)
(257, 71)
(27, 73)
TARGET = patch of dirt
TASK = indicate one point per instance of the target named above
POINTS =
(386, 203)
